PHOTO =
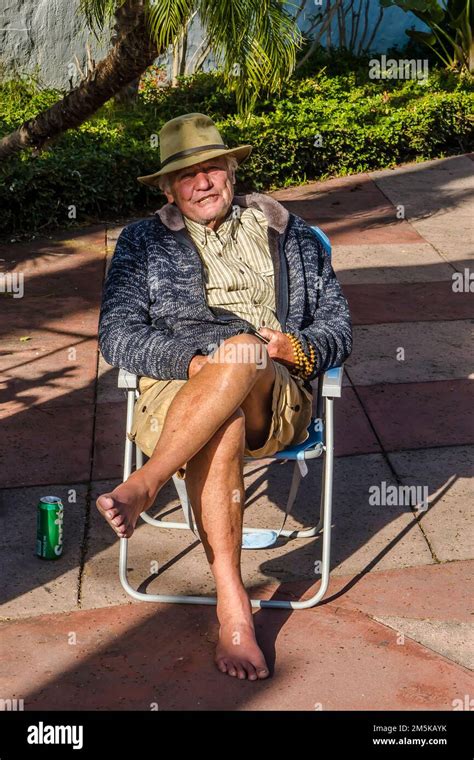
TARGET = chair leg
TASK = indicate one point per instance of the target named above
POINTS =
(321, 500)
(326, 500)
(180, 486)
(128, 456)
(138, 457)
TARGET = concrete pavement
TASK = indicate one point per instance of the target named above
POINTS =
(394, 631)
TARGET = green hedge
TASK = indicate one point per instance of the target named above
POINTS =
(364, 124)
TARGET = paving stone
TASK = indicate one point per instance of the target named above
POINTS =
(411, 352)
(420, 415)
(46, 445)
(412, 302)
(447, 473)
(350, 210)
(389, 264)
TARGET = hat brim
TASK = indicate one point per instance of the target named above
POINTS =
(241, 153)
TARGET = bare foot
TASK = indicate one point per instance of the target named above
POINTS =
(237, 651)
(122, 506)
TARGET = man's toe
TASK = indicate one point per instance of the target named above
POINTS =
(121, 530)
(105, 502)
(251, 672)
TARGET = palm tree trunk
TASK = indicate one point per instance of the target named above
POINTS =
(123, 25)
(132, 53)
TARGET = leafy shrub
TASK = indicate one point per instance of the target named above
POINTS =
(364, 125)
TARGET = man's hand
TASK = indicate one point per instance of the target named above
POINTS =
(280, 347)
(196, 364)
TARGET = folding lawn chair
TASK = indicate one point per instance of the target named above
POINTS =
(319, 443)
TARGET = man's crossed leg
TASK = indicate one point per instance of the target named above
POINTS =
(205, 428)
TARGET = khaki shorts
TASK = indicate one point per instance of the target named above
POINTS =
(291, 413)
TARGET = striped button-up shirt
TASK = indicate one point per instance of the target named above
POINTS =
(238, 267)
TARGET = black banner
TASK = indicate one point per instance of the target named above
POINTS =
(132, 734)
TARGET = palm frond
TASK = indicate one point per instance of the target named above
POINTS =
(166, 18)
(98, 12)
(254, 41)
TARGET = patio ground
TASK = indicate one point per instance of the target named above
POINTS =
(394, 629)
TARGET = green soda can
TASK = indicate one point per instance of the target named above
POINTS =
(49, 527)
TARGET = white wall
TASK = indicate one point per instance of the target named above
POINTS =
(43, 36)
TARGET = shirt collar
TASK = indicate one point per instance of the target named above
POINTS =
(226, 228)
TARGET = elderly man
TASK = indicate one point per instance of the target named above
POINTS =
(185, 295)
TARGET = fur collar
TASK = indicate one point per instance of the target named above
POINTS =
(277, 215)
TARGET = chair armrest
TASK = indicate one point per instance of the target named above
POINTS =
(332, 382)
(127, 380)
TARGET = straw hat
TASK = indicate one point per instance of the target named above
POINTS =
(188, 140)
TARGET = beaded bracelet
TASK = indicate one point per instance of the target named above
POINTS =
(304, 366)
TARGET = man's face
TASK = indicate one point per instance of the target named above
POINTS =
(203, 192)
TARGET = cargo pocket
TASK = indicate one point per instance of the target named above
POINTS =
(139, 415)
(146, 408)
(302, 413)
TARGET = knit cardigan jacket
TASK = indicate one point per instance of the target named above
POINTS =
(154, 316)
